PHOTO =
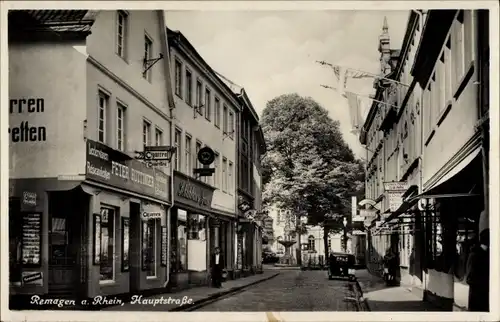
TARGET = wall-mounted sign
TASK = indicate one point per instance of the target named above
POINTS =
(33, 278)
(395, 186)
(191, 192)
(206, 156)
(29, 198)
(31, 239)
(125, 244)
(164, 243)
(97, 240)
(150, 215)
(117, 169)
(368, 213)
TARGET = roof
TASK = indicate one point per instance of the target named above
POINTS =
(177, 39)
(49, 25)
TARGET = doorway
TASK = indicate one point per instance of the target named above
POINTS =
(66, 238)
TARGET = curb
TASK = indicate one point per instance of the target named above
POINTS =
(362, 301)
(218, 295)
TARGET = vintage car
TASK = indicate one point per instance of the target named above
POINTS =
(341, 265)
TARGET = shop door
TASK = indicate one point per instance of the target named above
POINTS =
(64, 244)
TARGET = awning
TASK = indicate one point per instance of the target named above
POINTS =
(457, 169)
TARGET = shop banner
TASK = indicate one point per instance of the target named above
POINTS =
(191, 192)
(117, 169)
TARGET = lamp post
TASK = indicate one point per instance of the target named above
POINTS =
(345, 234)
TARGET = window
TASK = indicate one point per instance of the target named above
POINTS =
(180, 240)
(120, 127)
(329, 244)
(196, 227)
(278, 217)
(178, 78)
(311, 243)
(146, 133)
(158, 137)
(224, 119)
(224, 174)
(107, 237)
(148, 54)
(217, 170)
(198, 148)
(217, 112)
(15, 240)
(208, 104)
(230, 177)
(447, 70)
(441, 77)
(103, 110)
(121, 34)
(189, 165)
(198, 97)
(244, 129)
(149, 247)
(457, 35)
(177, 155)
(231, 125)
(469, 36)
(189, 88)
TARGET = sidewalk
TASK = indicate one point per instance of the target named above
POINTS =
(190, 298)
(380, 297)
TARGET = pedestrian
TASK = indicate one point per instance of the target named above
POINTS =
(478, 274)
(217, 266)
(333, 264)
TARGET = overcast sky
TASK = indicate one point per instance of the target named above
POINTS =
(270, 53)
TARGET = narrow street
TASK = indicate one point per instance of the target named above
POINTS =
(292, 290)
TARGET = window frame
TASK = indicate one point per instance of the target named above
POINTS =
(178, 81)
(120, 137)
(146, 136)
(149, 52)
(187, 154)
(159, 131)
(217, 169)
(224, 174)
(208, 104)
(178, 146)
(231, 124)
(230, 174)
(188, 86)
(225, 120)
(104, 109)
(114, 211)
(154, 230)
(217, 103)
(199, 96)
(121, 48)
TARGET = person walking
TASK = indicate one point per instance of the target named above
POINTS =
(478, 274)
(217, 266)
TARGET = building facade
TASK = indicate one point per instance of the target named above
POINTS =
(432, 149)
(251, 148)
(89, 219)
(204, 215)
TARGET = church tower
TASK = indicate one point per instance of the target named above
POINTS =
(384, 49)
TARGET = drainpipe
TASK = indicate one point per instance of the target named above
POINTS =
(171, 107)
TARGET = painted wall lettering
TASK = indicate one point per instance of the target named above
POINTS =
(25, 131)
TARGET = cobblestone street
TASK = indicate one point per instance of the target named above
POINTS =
(292, 290)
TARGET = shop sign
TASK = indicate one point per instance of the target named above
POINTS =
(394, 194)
(368, 213)
(34, 278)
(191, 192)
(396, 186)
(150, 215)
(29, 198)
(112, 167)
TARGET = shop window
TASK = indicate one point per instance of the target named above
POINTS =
(15, 236)
(107, 239)
(466, 238)
(196, 227)
(149, 245)
(182, 240)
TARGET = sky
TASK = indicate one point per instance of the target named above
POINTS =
(271, 53)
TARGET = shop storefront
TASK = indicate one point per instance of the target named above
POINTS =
(197, 229)
(101, 234)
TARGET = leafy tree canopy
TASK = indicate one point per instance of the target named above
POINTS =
(308, 169)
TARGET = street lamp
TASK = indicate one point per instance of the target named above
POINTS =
(345, 234)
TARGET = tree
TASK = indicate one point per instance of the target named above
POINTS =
(308, 167)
